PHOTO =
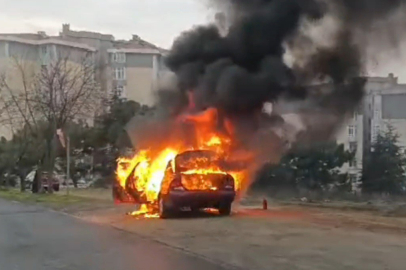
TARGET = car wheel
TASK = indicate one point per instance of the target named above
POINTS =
(225, 209)
(163, 209)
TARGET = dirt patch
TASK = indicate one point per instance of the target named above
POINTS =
(280, 238)
(101, 194)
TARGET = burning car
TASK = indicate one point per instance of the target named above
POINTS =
(191, 179)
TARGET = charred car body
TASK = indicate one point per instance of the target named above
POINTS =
(193, 180)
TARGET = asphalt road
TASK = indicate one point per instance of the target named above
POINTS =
(32, 238)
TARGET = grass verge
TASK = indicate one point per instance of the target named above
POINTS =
(57, 201)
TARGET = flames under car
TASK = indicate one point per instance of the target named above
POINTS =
(188, 182)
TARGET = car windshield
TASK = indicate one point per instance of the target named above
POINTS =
(201, 159)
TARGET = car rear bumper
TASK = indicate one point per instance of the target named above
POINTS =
(199, 199)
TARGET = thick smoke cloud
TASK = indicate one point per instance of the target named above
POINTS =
(240, 71)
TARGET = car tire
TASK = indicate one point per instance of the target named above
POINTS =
(163, 210)
(225, 209)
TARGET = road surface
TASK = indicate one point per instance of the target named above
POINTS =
(33, 238)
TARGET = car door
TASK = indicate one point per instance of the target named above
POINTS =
(124, 188)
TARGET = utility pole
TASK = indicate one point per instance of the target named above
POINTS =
(65, 141)
(68, 164)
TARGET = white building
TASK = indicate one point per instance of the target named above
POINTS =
(384, 103)
(351, 136)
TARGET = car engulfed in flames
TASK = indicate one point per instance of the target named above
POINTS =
(191, 179)
(194, 166)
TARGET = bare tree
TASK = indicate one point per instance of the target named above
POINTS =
(48, 99)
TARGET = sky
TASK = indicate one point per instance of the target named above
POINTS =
(157, 21)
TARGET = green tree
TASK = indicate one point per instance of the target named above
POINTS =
(20, 154)
(384, 166)
(315, 167)
(111, 125)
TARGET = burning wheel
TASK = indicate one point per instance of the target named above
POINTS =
(225, 209)
(163, 210)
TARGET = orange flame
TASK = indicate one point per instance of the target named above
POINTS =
(148, 168)
(148, 173)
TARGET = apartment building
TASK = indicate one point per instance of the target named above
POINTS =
(135, 69)
(383, 105)
(36, 50)
(351, 136)
(22, 56)
(129, 68)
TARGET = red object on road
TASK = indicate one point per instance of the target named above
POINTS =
(265, 204)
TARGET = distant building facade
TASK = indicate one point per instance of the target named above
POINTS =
(129, 68)
(383, 105)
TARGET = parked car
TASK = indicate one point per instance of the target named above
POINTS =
(81, 183)
(185, 186)
(70, 183)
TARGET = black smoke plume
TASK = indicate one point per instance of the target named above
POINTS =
(240, 71)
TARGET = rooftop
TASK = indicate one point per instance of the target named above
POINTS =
(42, 39)
(389, 79)
(135, 43)
(66, 31)
(78, 39)
(31, 36)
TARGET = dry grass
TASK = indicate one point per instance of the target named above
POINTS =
(57, 200)
(91, 193)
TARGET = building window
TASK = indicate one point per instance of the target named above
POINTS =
(377, 114)
(353, 147)
(44, 50)
(352, 131)
(118, 57)
(120, 92)
(45, 57)
(119, 73)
